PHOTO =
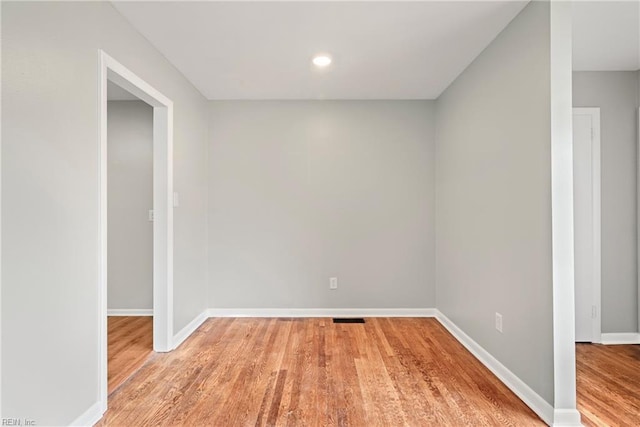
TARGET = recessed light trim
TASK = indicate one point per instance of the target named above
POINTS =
(322, 61)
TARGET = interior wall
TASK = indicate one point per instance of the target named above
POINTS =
(130, 196)
(493, 200)
(303, 191)
(50, 135)
(616, 93)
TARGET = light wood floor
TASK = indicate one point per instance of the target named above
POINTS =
(608, 380)
(130, 343)
(299, 372)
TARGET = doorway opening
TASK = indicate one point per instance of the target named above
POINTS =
(111, 71)
(130, 234)
(587, 223)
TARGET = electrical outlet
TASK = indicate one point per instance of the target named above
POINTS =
(333, 283)
(151, 215)
(499, 322)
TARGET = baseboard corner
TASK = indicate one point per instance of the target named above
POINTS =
(190, 328)
(566, 418)
(90, 417)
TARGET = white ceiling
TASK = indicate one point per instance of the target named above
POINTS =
(263, 50)
(381, 50)
(606, 35)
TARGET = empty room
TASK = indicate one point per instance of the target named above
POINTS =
(358, 213)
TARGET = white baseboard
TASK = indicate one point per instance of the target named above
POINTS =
(321, 312)
(185, 332)
(130, 312)
(90, 417)
(621, 338)
(532, 399)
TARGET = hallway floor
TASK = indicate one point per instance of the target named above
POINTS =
(130, 343)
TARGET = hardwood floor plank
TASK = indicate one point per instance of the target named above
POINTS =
(277, 397)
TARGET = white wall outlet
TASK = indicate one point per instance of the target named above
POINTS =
(333, 283)
(499, 322)
(151, 215)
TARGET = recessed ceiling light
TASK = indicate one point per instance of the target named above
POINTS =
(321, 60)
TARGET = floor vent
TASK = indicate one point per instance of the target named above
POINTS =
(348, 320)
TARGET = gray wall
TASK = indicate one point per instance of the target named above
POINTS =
(303, 191)
(130, 195)
(50, 198)
(616, 93)
(493, 200)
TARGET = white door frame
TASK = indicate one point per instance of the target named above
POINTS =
(638, 214)
(596, 262)
(112, 70)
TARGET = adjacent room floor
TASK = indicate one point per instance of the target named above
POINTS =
(608, 384)
(248, 371)
(130, 343)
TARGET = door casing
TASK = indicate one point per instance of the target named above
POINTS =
(112, 70)
(596, 264)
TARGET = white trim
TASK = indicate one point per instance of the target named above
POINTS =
(621, 338)
(596, 261)
(321, 312)
(130, 312)
(597, 228)
(638, 205)
(90, 417)
(186, 332)
(102, 236)
(163, 227)
(112, 70)
(563, 293)
(532, 399)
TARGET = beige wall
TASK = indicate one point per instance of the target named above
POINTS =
(493, 200)
(303, 191)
